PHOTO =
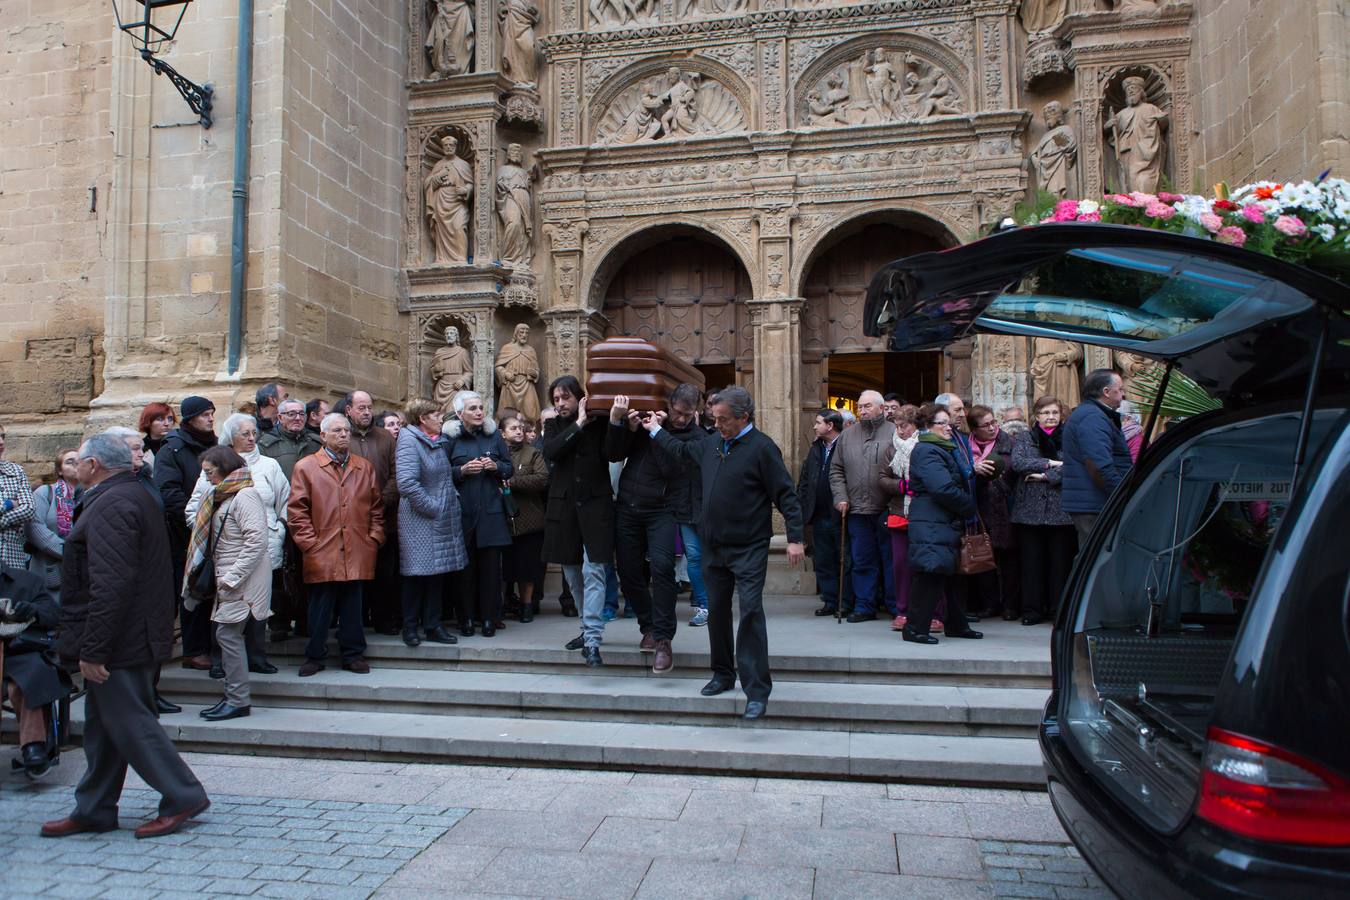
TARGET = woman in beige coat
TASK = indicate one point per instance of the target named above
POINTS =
(231, 525)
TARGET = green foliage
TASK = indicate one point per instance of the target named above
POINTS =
(1182, 399)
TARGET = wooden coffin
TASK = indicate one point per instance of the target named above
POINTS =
(643, 371)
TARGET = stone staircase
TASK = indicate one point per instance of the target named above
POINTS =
(849, 701)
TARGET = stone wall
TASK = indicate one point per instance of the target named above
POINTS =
(1273, 89)
(54, 192)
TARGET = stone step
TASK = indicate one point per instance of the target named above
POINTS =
(733, 748)
(819, 706)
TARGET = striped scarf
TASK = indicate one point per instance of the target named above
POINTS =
(198, 547)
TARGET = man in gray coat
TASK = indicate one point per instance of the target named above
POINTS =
(858, 456)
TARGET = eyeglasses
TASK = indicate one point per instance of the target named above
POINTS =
(942, 423)
(294, 413)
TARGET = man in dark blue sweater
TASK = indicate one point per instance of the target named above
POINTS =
(743, 478)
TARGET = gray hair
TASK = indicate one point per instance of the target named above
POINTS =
(739, 399)
(333, 419)
(462, 400)
(946, 398)
(289, 401)
(126, 434)
(1097, 381)
(109, 450)
(230, 429)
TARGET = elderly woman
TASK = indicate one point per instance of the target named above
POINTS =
(16, 510)
(1045, 534)
(240, 434)
(941, 503)
(431, 544)
(481, 463)
(54, 513)
(31, 680)
(529, 486)
(893, 480)
(155, 423)
(998, 591)
(231, 527)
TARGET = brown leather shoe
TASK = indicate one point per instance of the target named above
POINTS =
(358, 665)
(311, 667)
(202, 663)
(664, 663)
(162, 825)
(71, 825)
(648, 644)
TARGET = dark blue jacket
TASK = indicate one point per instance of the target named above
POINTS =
(480, 495)
(938, 511)
(1096, 458)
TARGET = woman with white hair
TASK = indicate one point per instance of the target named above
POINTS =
(240, 434)
(480, 462)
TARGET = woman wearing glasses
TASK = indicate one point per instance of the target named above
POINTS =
(941, 504)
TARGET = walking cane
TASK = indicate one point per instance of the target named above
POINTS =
(843, 544)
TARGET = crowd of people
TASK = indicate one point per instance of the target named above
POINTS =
(300, 518)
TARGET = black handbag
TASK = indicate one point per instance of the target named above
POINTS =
(509, 506)
(202, 579)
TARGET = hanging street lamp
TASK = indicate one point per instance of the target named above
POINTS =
(151, 24)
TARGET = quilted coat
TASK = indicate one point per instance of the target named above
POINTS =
(430, 534)
(938, 510)
(529, 487)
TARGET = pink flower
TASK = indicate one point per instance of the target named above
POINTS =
(1142, 198)
(1067, 206)
(1291, 226)
(1159, 210)
(1253, 213)
(1232, 235)
(1090, 217)
(1211, 222)
(1170, 198)
(1122, 199)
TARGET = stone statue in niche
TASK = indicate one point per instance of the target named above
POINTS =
(1138, 136)
(1056, 155)
(518, 373)
(682, 105)
(451, 370)
(617, 13)
(450, 39)
(873, 89)
(448, 188)
(518, 19)
(1055, 370)
(515, 209)
(1041, 15)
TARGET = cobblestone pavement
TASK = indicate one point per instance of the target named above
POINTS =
(282, 827)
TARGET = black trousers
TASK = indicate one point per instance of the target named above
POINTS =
(1047, 553)
(383, 597)
(926, 589)
(1000, 589)
(343, 600)
(196, 623)
(480, 593)
(825, 557)
(648, 536)
(121, 729)
(421, 601)
(740, 570)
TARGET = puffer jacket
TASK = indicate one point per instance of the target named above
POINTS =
(243, 567)
(175, 474)
(274, 491)
(1036, 502)
(529, 487)
(1096, 457)
(858, 454)
(480, 495)
(430, 533)
(336, 518)
(938, 511)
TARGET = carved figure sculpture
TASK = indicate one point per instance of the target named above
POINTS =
(447, 190)
(679, 105)
(450, 39)
(1054, 370)
(1131, 364)
(612, 13)
(882, 84)
(928, 90)
(517, 373)
(451, 370)
(1056, 154)
(643, 123)
(679, 119)
(1137, 133)
(1041, 15)
(515, 209)
(1136, 6)
(518, 18)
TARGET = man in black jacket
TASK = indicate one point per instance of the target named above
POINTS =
(743, 479)
(176, 471)
(117, 626)
(646, 530)
(813, 492)
(686, 491)
(579, 531)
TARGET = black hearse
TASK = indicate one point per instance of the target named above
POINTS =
(1197, 739)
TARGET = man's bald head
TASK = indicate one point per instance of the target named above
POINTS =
(871, 406)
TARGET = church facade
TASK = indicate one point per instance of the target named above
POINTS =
(718, 176)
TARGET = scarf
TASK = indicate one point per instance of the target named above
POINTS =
(1049, 443)
(932, 437)
(202, 437)
(340, 460)
(65, 506)
(233, 483)
(981, 450)
(903, 448)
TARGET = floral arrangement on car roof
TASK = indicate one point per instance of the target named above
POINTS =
(1306, 222)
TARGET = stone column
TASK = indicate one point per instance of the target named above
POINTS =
(568, 333)
(484, 168)
(483, 342)
(1000, 371)
(776, 326)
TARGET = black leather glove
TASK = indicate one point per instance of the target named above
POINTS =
(23, 611)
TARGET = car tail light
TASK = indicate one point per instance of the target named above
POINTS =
(1259, 791)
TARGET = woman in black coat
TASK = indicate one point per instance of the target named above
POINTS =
(941, 504)
(999, 591)
(479, 462)
(1045, 533)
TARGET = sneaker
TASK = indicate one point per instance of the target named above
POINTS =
(700, 618)
(609, 615)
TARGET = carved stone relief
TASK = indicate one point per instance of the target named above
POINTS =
(621, 13)
(447, 191)
(517, 20)
(1135, 120)
(685, 9)
(1056, 156)
(680, 104)
(515, 209)
(740, 57)
(881, 86)
(450, 37)
(451, 368)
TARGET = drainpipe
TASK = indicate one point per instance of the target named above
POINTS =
(243, 111)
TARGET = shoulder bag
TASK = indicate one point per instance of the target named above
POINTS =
(977, 550)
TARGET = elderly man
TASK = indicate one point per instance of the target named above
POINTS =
(336, 517)
(268, 398)
(290, 441)
(1096, 455)
(743, 478)
(813, 493)
(383, 602)
(854, 467)
(116, 624)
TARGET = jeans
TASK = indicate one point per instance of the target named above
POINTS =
(693, 557)
(343, 599)
(588, 582)
(869, 541)
(648, 536)
(612, 588)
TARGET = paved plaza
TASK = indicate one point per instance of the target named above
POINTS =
(285, 827)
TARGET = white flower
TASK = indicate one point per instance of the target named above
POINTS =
(1325, 232)
(1192, 207)
(1087, 207)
